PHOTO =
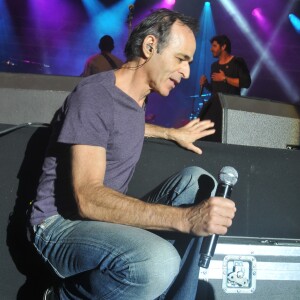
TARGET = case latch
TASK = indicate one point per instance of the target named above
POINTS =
(239, 274)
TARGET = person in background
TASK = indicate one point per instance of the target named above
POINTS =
(101, 242)
(103, 61)
(230, 73)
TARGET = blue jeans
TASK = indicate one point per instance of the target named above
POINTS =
(98, 260)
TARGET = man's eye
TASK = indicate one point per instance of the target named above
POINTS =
(180, 59)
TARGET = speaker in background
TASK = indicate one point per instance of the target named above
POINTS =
(32, 98)
(252, 121)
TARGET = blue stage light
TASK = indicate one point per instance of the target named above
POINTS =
(202, 58)
(8, 36)
(295, 21)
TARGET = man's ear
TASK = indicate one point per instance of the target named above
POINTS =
(149, 45)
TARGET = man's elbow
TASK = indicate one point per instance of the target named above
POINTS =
(87, 201)
(82, 206)
(245, 83)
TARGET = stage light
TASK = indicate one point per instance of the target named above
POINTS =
(8, 35)
(256, 12)
(262, 21)
(165, 4)
(92, 7)
(203, 57)
(207, 3)
(265, 57)
(170, 2)
(107, 20)
(5, 21)
(295, 21)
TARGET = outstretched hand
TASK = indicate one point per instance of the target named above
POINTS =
(194, 130)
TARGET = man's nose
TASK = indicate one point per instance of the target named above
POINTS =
(185, 70)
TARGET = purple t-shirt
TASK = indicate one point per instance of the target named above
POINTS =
(96, 113)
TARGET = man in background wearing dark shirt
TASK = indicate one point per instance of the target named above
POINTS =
(230, 73)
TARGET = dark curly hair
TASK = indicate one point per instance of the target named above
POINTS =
(222, 40)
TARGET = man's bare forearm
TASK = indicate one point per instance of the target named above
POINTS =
(156, 131)
(233, 81)
(107, 205)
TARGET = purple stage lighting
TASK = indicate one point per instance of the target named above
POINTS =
(256, 12)
(164, 4)
(264, 24)
(170, 2)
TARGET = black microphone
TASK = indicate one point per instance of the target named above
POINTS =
(228, 177)
(201, 90)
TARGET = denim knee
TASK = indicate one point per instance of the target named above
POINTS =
(145, 274)
(194, 172)
(161, 267)
(194, 185)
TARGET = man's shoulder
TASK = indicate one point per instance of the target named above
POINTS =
(97, 83)
(117, 60)
(238, 59)
(93, 58)
(101, 78)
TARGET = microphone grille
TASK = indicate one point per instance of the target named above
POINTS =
(228, 175)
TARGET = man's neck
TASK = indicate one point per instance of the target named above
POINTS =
(133, 83)
(224, 58)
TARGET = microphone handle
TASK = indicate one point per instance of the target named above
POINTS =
(209, 243)
(207, 251)
(224, 190)
(201, 90)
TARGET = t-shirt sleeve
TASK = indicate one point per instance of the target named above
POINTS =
(244, 74)
(87, 117)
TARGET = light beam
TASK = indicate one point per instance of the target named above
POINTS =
(263, 52)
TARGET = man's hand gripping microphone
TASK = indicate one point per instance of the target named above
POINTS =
(228, 177)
